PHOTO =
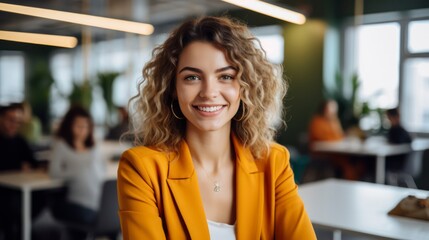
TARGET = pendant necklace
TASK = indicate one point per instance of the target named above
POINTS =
(216, 184)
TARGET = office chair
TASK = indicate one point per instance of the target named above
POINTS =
(107, 221)
(405, 176)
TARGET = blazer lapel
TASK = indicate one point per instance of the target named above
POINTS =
(183, 184)
(249, 193)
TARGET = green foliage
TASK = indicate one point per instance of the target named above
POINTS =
(38, 91)
(81, 95)
(106, 80)
(349, 110)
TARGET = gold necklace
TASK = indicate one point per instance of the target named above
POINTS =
(216, 184)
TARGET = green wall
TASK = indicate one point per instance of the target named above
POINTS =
(303, 67)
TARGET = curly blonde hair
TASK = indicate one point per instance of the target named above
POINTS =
(262, 87)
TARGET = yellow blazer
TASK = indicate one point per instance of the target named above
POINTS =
(159, 196)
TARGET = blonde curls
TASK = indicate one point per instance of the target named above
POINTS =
(262, 87)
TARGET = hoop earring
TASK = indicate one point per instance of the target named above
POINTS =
(172, 110)
(242, 113)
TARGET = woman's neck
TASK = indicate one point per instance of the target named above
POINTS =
(212, 150)
(79, 146)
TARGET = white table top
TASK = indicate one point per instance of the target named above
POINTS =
(40, 180)
(34, 180)
(360, 207)
(375, 146)
(361, 148)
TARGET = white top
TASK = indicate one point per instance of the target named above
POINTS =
(83, 173)
(221, 231)
(360, 207)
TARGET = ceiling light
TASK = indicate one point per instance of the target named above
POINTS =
(270, 10)
(42, 39)
(83, 19)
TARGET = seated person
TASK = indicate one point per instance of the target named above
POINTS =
(396, 135)
(76, 159)
(16, 155)
(15, 151)
(325, 126)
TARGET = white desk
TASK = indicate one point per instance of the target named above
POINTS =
(378, 148)
(32, 181)
(361, 208)
(110, 150)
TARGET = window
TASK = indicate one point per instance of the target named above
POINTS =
(378, 64)
(12, 72)
(418, 36)
(272, 42)
(391, 58)
(414, 106)
(61, 68)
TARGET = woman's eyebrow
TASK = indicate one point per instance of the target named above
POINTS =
(226, 68)
(191, 69)
(200, 71)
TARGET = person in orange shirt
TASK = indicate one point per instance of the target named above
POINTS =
(206, 166)
(325, 126)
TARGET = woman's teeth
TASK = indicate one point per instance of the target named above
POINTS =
(209, 109)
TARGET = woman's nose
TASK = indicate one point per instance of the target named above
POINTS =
(209, 88)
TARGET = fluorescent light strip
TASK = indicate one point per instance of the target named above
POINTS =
(42, 39)
(270, 10)
(83, 19)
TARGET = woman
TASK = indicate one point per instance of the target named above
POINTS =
(205, 118)
(325, 125)
(76, 160)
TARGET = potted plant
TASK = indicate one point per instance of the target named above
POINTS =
(106, 81)
(81, 95)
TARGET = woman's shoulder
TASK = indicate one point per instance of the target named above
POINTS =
(143, 155)
(278, 149)
(143, 162)
(278, 156)
(59, 143)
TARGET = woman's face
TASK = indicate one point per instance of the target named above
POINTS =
(206, 86)
(331, 109)
(80, 128)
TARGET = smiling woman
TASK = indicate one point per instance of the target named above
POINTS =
(207, 167)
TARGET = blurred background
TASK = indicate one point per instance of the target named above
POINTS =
(383, 43)
(367, 55)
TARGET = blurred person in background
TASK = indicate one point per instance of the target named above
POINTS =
(396, 135)
(76, 159)
(325, 126)
(15, 155)
(15, 151)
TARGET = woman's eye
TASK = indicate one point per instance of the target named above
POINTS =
(192, 78)
(227, 77)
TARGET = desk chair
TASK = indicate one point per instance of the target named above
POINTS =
(107, 222)
(405, 176)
